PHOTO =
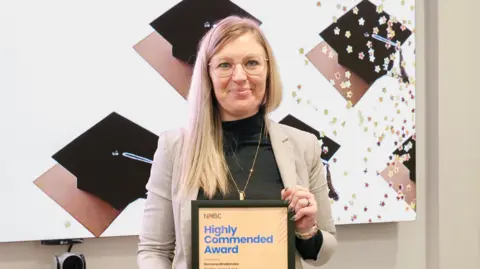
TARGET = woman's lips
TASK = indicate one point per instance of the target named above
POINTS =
(239, 90)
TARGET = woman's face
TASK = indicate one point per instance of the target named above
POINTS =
(239, 75)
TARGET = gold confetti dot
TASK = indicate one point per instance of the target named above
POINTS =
(343, 123)
(349, 104)
(300, 50)
(345, 173)
(67, 224)
(325, 112)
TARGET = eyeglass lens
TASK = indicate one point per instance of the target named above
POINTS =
(252, 64)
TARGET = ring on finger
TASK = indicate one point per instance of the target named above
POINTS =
(308, 202)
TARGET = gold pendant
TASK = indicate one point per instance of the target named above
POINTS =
(242, 195)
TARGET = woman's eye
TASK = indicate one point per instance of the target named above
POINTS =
(224, 65)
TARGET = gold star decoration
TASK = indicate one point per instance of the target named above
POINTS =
(349, 104)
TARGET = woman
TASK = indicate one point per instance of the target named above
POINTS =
(229, 149)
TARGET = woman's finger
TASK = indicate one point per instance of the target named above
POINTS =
(304, 202)
(308, 211)
(299, 194)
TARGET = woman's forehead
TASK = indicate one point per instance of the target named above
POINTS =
(241, 47)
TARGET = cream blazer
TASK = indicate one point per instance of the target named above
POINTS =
(165, 236)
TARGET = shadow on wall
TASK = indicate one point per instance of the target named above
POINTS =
(380, 238)
(118, 252)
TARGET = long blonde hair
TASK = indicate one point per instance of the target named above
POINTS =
(203, 162)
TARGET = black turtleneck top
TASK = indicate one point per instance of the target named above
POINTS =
(240, 141)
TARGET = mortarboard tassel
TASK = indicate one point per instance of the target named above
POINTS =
(332, 192)
(403, 72)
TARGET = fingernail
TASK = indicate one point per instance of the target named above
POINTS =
(292, 218)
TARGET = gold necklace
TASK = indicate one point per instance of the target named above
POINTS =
(241, 193)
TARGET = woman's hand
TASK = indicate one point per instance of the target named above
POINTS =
(303, 204)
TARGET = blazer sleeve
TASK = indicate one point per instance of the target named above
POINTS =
(318, 187)
(157, 234)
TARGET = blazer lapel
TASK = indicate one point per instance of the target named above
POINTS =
(284, 154)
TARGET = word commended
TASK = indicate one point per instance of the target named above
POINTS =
(224, 239)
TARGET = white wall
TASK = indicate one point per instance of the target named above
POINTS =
(447, 232)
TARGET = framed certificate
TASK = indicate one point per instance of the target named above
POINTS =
(245, 234)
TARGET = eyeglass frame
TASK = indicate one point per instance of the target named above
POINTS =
(235, 63)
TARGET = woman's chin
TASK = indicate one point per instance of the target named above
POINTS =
(245, 111)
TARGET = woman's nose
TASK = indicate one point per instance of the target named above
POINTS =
(238, 73)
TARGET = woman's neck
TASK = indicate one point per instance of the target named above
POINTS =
(245, 126)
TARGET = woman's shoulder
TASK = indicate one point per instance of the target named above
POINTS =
(171, 139)
(295, 134)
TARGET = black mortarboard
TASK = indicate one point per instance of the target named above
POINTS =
(407, 152)
(329, 147)
(111, 160)
(187, 22)
(296, 123)
(365, 39)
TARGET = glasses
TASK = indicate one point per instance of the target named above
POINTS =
(253, 64)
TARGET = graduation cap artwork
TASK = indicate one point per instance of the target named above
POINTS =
(101, 172)
(90, 211)
(359, 48)
(171, 49)
(111, 160)
(400, 172)
(407, 154)
(329, 148)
